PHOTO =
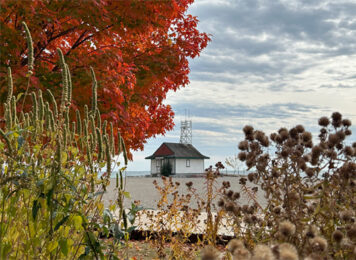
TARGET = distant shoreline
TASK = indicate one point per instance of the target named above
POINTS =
(181, 176)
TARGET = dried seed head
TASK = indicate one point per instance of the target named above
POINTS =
(339, 146)
(315, 256)
(309, 144)
(338, 236)
(242, 181)
(324, 121)
(221, 203)
(273, 136)
(275, 173)
(306, 136)
(279, 139)
(293, 195)
(262, 252)
(238, 250)
(210, 253)
(245, 208)
(346, 122)
(336, 120)
(248, 130)
(242, 156)
(243, 145)
(287, 252)
(230, 193)
(236, 196)
(286, 228)
(277, 210)
(254, 146)
(226, 184)
(241, 254)
(251, 176)
(189, 184)
(349, 151)
(341, 135)
(347, 215)
(303, 166)
(293, 133)
(336, 116)
(351, 232)
(260, 136)
(333, 139)
(319, 244)
(331, 154)
(229, 207)
(283, 132)
(300, 128)
(348, 132)
(233, 244)
(346, 244)
(316, 151)
(285, 152)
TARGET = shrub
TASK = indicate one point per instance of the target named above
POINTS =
(310, 189)
(52, 180)
(309, 186)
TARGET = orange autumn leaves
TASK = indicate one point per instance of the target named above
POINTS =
(139, 50)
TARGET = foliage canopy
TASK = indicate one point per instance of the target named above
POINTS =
(139, 49)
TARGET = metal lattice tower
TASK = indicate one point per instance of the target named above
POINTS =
(186, 132)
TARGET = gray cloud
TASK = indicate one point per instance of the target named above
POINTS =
(271, 63)
(226, 111)
(245, 30)
(339, 86)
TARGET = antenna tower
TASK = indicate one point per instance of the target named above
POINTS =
(186, 130)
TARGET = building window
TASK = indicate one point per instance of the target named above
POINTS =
(187, 163)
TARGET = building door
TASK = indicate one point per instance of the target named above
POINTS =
(158, 165)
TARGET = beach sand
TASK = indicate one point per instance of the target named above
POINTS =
(142, 189)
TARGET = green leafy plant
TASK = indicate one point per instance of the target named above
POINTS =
(53, 174)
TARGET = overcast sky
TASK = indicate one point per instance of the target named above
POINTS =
(271, 63)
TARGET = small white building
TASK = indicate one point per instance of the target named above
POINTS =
(184, 159)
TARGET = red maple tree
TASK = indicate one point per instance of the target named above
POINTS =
(139, 50)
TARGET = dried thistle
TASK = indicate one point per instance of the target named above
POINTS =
(338, 236)
(351, 232)
(347, 215)
(286, 251)
(318, 244)
(262, 252)
(209, 253)
(286, 228)
(311, 232)
(324, 121)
